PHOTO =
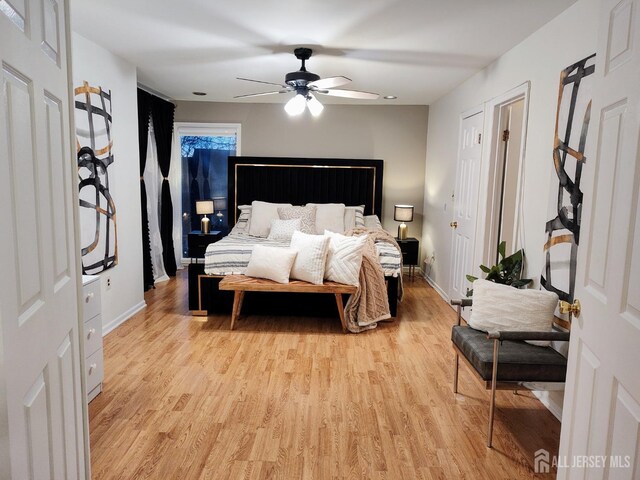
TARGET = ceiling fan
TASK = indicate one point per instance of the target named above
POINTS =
(305, 84)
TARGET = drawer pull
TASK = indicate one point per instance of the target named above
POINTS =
(91, 332)
(89, 297)
(92, 367)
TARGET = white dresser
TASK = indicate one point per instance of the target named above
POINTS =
(92, 314)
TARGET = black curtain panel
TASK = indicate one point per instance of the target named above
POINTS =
(162, 117)
(144, 112)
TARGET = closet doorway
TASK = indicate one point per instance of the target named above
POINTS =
(505, 175)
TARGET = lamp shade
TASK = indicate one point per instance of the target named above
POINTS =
(204, 207)
(220, 203)
(403, 213)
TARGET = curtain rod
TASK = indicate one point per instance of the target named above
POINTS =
(150, 90)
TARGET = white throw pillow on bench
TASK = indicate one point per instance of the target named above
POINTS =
(345, 258)
(311, 259)
(272, 263)
(504, 308)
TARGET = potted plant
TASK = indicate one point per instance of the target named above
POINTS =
(508, 271)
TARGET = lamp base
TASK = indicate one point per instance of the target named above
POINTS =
(402, 231)
(204, 224)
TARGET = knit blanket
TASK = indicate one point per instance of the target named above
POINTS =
(370, 304)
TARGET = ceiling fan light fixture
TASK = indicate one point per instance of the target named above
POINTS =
(314, 106)
(296, 105)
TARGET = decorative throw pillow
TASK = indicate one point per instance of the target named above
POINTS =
(283, 229)
(353, 217)
(242, 225)
(273, 263)
(372, 222)
(261, 215)
(499, 307)
(344, 259)
(329, 216)
(312, 256)
(307, 216)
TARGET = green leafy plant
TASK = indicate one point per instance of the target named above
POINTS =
(508, 271)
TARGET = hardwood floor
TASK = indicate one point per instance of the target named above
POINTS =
(294, 397)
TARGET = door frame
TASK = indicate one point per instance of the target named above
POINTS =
(485, 244)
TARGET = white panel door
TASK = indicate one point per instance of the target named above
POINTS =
(601, 414)
(465, 209)
(41, 405)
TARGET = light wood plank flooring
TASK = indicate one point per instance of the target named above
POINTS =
(294, 397)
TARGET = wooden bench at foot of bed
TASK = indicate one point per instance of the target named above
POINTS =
(241, 284)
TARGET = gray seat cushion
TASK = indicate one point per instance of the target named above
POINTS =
(517, 361)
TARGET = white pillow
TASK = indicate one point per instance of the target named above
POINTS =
(372, 222)
(261, 215)
(307, 216)
(353, 217)
(499, 307)
(242, 225)
(329, 216)
(312, 257)
(345, 258)
(283, 229)
(273, 263)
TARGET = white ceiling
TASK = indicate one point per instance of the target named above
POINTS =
(416, 49)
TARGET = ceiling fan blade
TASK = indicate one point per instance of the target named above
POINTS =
(330, 82)
(350, 94)
(261, 94)
(260, 81)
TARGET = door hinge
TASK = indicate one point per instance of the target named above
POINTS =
(505, 136)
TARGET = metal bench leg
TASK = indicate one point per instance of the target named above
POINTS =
(494, 380)
(455, 374)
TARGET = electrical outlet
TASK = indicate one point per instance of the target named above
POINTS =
(108, 283)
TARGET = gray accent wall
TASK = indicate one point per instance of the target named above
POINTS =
(395, 134)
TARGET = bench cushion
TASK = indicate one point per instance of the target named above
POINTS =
(517, 361)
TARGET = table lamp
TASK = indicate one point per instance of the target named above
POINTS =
(403, 213)
(204, 208)
(219, 204)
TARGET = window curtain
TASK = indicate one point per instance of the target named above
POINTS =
(162, 116)
(144, 112)
(153, 179)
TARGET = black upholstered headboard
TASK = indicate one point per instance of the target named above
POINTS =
(304, 180)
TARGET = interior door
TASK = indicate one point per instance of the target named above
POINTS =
(601, 414)
(41, 404)
(465, 207)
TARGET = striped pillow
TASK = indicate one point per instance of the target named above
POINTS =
(242, 225)
(353, 217)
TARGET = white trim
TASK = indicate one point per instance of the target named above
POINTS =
(545, 400)
(112, 325)
(437, 288)
(482, 248)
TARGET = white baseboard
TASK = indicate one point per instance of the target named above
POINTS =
(437, 288)
(549, 402)
(109, 327)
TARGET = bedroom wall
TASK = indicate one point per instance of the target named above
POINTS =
(395, 134)
(100, 67)
(538, 59)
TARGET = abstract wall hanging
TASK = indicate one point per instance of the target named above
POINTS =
(569, 158)
(94, 150)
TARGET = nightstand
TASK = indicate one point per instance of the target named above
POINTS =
(197, 243)
(409, 247)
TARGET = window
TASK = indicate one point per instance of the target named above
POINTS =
(204, 150)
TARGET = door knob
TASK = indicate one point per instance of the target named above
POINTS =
(571, 308)
(453, 224)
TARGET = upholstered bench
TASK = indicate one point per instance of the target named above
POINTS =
(241, 284)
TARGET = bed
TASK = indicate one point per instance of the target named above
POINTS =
(297, 181)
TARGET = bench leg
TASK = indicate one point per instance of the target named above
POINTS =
(494, 380)
(237, 306)
(455, 374)
(343, 321)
